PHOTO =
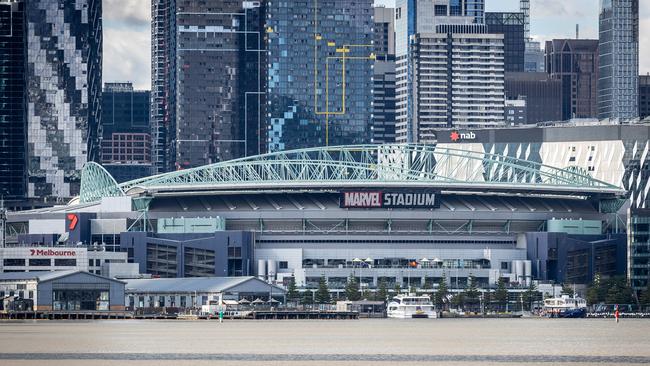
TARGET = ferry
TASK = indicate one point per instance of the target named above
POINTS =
(411, 306)
(565, 307)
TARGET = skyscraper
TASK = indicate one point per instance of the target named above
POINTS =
(208, 81)
(320, 73)
(64, 60)
(618, 85)
(441, 26)
(126, 134)
(575, 63)
(644, 96)
(13, 106)
(512, 26)
(383, 127)
(543, 95)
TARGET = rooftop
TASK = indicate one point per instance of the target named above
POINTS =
(192, 284)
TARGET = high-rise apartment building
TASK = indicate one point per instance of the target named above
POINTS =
(64, 60)
(543, 95)
(512, 26)
(13, 106)
(126, 133)
(207, 81)
(414, 17)
(320, 73)
(383, 101)
(458, 81)
(619, 59)
(575, 63)
(644, 96)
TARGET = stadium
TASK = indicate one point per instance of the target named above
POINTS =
(404, 214)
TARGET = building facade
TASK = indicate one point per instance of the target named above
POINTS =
(575, 63)
(383, 97)
(619, 59)
(543, 95)
(207, 81)
(126, 132)
(13, 101)
(64, 60)
(644, 96)
(511, 25)
(458, 81)
(320, 73)
(638, 233)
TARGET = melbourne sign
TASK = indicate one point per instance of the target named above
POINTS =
(388, 199)
(52, 253)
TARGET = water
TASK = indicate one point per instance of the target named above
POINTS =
(360, 342)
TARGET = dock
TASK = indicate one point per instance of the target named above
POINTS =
(65, 315)
(302, 315)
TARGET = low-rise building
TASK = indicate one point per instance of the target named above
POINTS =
(64, 290)
(192, 293)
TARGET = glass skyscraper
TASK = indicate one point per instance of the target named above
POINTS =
(319, 73)
(64, 73)
(13, 106)
(618, 84)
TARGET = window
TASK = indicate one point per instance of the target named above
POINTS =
(161, 301)
(183, 301)
(14, 262)
(504, 265)
(21, 286)
(30, 294)
(40, 262)
(283, 265)
(61, 262)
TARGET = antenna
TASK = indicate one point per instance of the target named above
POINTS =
(577, 31)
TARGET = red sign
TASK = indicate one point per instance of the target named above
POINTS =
(456, 136)
(52, 253)
(72, 221)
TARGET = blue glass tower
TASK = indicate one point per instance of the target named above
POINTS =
(320, 73)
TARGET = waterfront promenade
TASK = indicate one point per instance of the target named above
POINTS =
(358, 342)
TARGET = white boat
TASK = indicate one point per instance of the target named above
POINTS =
(411, 306)
(565, 307)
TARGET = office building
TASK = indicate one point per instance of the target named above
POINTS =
(644, 96)
(619, 59)
(458, 81)
(511, 25)
(515, 112)
(638, 264)
(126, 133)
(320, 73)
(13, 102)
(533, 57)
(207, 80)
(64, 60)
(383, 97)
(543, 95)
(575, 63)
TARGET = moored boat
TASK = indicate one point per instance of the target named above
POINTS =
(411, 306)
(565, 307)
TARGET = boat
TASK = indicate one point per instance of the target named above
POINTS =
(565, 307)
(411, 306)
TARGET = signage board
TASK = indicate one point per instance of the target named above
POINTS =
(388, 199)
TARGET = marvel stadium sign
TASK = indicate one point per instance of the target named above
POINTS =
(385, 199)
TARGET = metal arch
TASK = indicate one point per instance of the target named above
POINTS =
(393, 163)
(96, 183)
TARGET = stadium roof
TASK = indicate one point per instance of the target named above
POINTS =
(359, 166)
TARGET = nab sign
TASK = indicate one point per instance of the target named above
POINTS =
(383, 199)
(456, 136)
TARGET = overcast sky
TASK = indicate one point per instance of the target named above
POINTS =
(127, 32)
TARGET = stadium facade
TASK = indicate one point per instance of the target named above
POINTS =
(403, 214)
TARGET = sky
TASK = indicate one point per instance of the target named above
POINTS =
(127, 31)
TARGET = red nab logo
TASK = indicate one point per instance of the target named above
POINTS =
(73, 220)
(455, 136)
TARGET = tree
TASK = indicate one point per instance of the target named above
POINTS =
(292, 290)
(487, 299)
(398, 289)
(458, 300)
(501, 294)
(382, 291)
(619, 292)
(530, 295)
(644, 299)
(307, 298)
(440, 296)
(471, 295)
(567, 290)
(352, 292)
(323, 292)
